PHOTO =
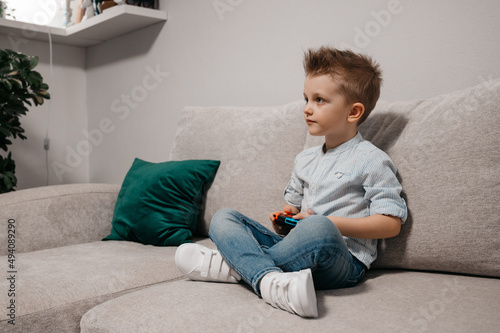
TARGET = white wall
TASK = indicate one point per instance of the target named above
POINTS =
(252, 55)
(68, 115)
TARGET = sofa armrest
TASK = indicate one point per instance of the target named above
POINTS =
(54, 216)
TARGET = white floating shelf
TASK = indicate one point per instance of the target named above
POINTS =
(113, 22)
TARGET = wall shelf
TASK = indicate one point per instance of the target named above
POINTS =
(113, 22)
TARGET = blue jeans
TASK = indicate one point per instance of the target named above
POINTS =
(253, 250)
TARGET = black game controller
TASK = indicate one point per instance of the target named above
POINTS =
(286, 220)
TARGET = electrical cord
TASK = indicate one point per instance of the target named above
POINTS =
(46, 141)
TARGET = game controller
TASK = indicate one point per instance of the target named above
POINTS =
(285, 220)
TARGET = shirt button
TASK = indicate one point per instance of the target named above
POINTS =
(313, 186)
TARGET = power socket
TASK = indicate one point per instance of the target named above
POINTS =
(46, 143)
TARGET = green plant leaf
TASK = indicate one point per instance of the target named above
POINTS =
(6, 84)
(33, 62)
(39, 100)
(18, 83)
(20, 87)
(7, 180)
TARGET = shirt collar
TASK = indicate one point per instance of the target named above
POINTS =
(345, 146)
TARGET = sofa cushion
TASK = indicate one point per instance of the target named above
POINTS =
(158, 203)
(447, 153)
(386, 302)
(57, 286)
(256, 147)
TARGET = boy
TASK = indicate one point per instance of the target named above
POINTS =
(345, 194)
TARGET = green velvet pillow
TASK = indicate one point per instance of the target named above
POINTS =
(159, 203)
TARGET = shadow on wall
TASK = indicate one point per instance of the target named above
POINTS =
(127, 46)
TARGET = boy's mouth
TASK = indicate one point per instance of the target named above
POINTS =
(309, 121)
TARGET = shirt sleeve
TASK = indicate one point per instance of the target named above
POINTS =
(294, 191)
(382, 188)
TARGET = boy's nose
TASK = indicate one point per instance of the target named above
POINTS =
(307, 109)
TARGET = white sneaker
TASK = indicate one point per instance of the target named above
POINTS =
(200, 263)
(293, 292)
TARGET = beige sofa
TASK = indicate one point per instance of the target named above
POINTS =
(439, 275)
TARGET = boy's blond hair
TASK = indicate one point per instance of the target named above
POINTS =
(358, 76)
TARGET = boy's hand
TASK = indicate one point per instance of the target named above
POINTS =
(301, 215)
(287, 210)
(278, 228)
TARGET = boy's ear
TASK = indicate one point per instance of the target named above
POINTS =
(357, 110)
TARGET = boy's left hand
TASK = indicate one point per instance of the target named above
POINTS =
(301, 215)
(279, 229)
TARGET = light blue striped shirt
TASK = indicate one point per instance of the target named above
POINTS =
(355, 179)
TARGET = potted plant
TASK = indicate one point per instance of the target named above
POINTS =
(20, 86)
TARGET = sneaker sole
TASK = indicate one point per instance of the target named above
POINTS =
(307, 295)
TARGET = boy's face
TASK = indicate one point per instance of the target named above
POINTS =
(326, 111)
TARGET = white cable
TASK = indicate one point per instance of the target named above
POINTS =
(46, 139)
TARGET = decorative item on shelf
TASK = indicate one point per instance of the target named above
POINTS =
(67, 13)
(20, 85)
(105, 5)
(85, 11)
(154, 4)
(102, 5)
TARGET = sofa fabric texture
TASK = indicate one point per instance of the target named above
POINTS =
(50, 217)
(382, 303)
(256, 147)
(441, 274)
(448, 159)
(445, 149)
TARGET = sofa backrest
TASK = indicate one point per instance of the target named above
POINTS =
(53, 216)
(256, 147)
(447, 151)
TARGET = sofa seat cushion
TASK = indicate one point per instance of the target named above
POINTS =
(63, 279)
(387, 301)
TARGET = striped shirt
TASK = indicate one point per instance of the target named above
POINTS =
(355, 179)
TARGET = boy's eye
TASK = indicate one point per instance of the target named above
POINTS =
(319, 100)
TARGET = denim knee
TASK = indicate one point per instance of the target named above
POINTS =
(320, 227)
(221, 218)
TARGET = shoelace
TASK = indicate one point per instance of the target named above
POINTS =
(214, 264)
(279, 295)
